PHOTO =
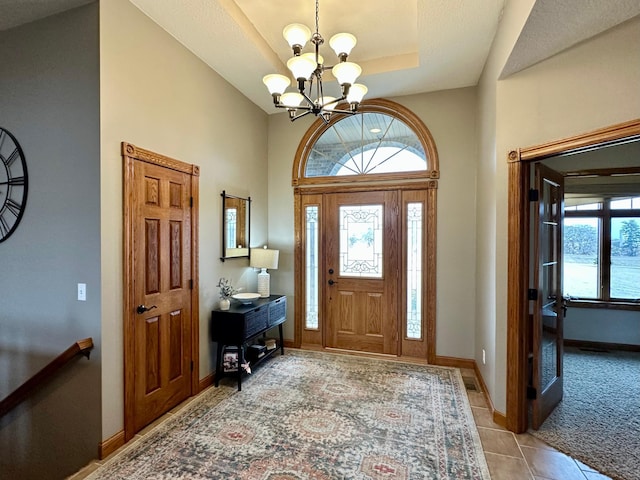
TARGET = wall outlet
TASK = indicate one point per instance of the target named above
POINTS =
(82, 292)
(484, 357)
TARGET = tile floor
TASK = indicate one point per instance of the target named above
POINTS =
(509, 456)
(521, 456)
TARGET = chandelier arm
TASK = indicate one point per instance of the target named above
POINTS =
(308, 100)
(336, 101)
(301, 107)
(301, 115)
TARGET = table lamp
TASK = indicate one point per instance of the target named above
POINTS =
(264, 258)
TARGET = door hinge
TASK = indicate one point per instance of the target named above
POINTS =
(532, 294)
(192, 365)
(532, 393)
(191, 202)
(534, 195)
(190, 284)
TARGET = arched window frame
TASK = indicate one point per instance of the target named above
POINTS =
(384, 106)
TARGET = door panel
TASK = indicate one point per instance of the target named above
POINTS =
(547, 379)
(361, 271)
(162, 270)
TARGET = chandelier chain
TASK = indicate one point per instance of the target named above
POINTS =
(317, 16)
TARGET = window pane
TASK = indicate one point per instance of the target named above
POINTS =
(590, 206)
(311, 270)
(581, 260)
(380, 160)
(414, 270)
(366, 143)
(625, 258)
(626, 204)
(361, 241)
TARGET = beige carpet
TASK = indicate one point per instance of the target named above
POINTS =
(317, 416)
(598, 420)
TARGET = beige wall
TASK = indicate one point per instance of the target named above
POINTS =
(590, 86)
(451, 117)
(159, 96)
(514, 17)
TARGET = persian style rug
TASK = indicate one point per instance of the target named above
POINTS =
(598, 420)
(316, 416)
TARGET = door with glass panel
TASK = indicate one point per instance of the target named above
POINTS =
(361, 271)
(547, 377)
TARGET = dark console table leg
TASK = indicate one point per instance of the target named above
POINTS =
(240, 362)
(281, 340)
(218, 362)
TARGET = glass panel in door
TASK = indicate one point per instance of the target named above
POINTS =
(548, 312)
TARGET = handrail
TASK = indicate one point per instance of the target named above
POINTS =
(23, 391)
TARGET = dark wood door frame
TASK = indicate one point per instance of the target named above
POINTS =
(129, 154)
(520, 161)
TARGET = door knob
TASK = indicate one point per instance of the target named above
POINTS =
(141, 309)
(331, 282)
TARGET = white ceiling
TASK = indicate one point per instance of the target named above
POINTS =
(404, 46)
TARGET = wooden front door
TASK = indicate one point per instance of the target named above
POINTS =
(159, 320)
(361, 271)
(548, 311)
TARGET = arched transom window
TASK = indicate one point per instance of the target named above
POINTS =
(382, 139)
(371, 142)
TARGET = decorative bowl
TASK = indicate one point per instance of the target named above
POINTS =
(246, 298)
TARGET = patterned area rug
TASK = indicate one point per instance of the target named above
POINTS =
(598, 420)
(316, 416)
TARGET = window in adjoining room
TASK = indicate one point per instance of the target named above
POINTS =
(602, 250)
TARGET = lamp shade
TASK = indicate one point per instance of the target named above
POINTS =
(291, 99)
(296, 34)
(301, 67)
(328, 103)
(342, 43)
(346, 72)
(276, 83)
(264, 258)
(312, 56)
(356, 93)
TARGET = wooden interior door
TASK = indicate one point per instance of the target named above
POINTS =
(158, 328)
(548, 311)
(361, 271)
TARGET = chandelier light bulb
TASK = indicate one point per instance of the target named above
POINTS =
(296, 34)
(342, 44)
(356, 93)
(276, 84)
(291, 99)
(346, 72)
(301, 67)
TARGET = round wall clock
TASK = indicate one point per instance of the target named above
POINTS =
(13, 184)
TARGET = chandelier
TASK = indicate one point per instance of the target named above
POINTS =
(307, 69)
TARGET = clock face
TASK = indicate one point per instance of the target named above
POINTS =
(13, 184)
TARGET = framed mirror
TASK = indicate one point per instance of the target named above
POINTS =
(236, 221)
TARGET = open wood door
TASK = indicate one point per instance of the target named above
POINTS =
(547, 293)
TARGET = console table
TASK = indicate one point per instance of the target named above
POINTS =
(242, 323)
